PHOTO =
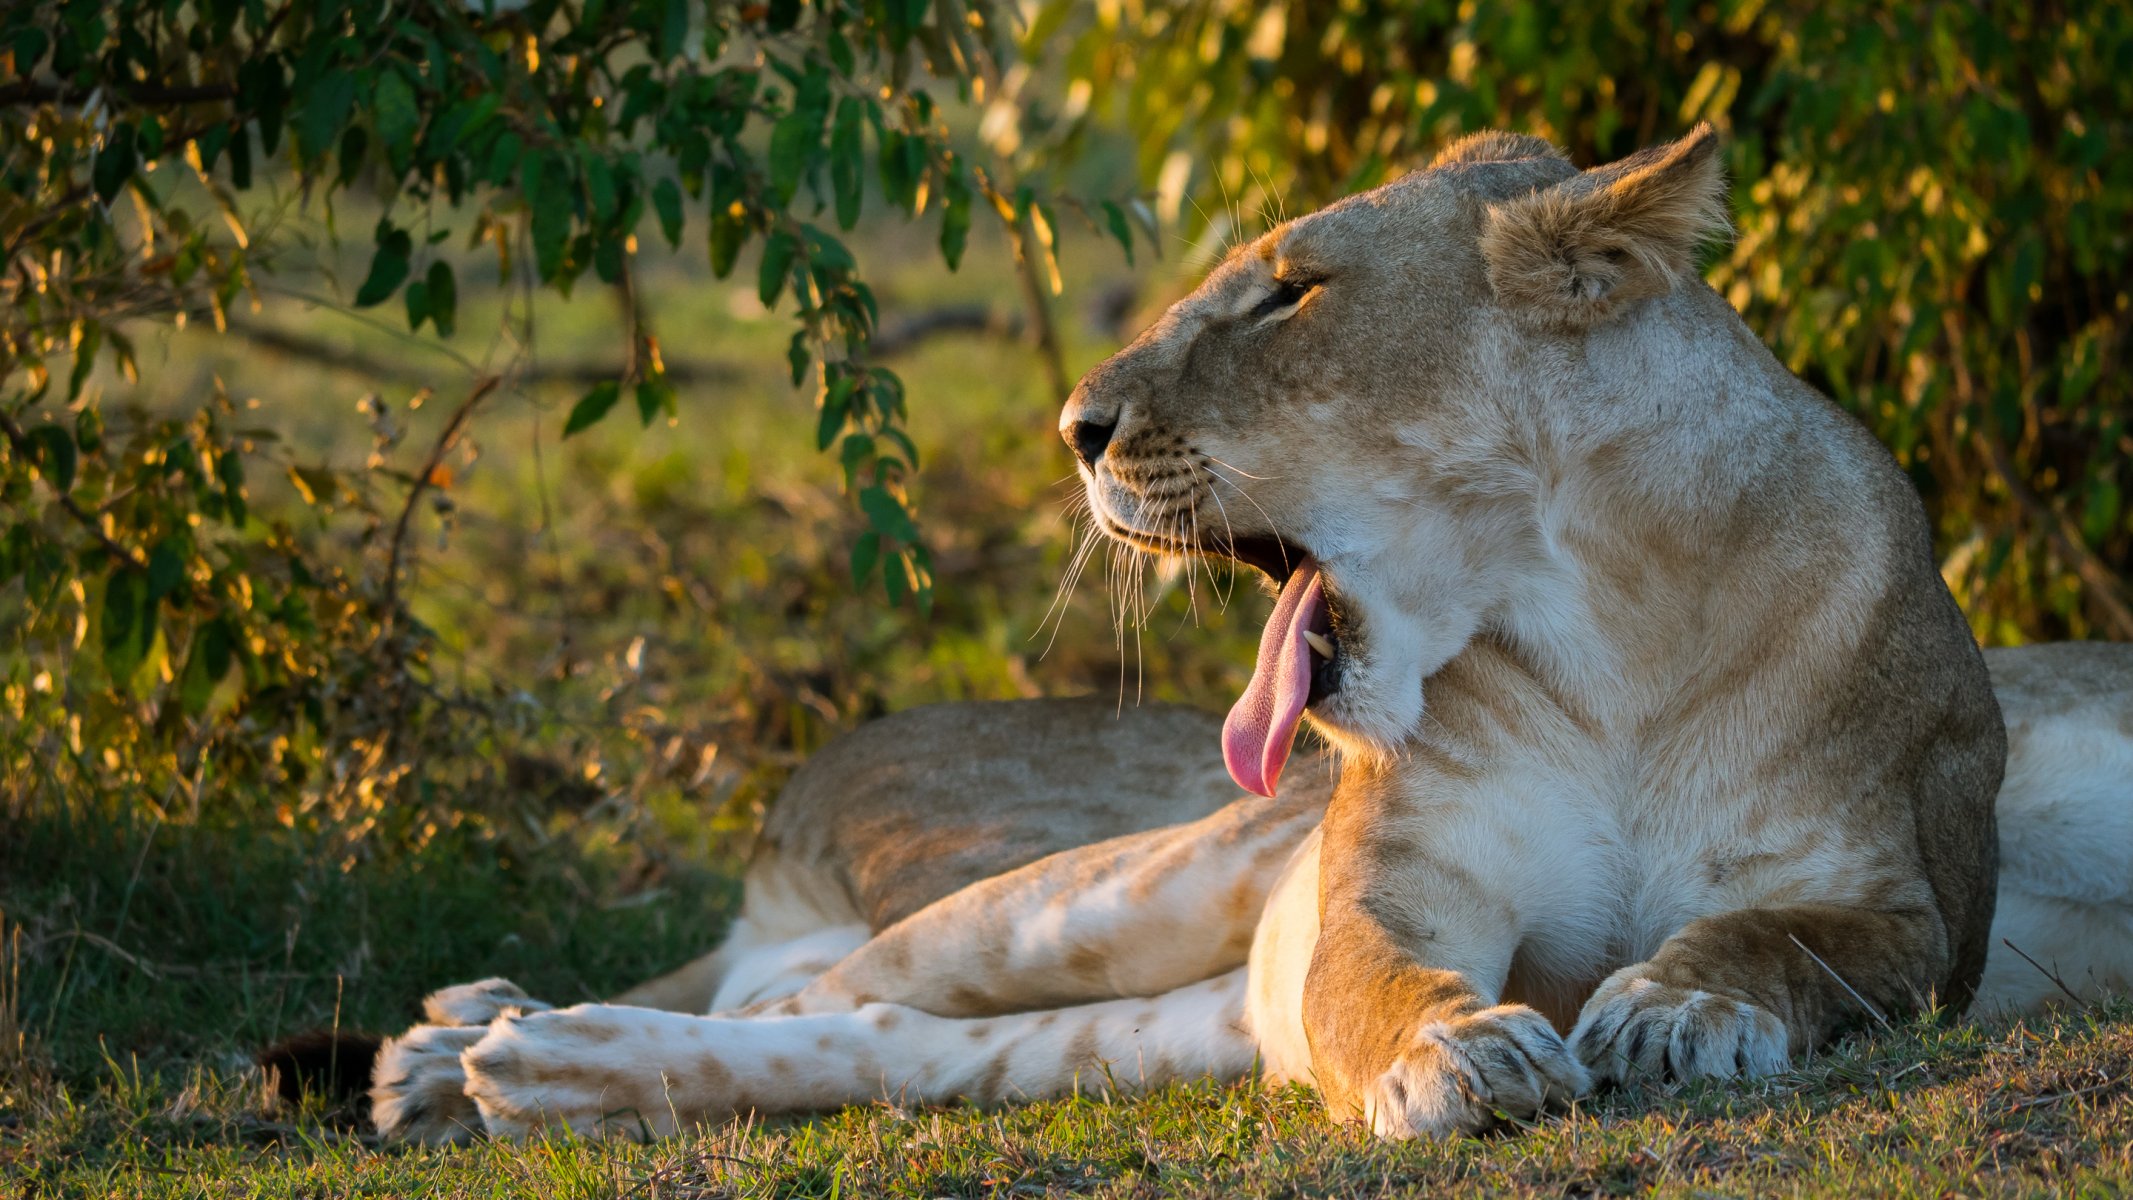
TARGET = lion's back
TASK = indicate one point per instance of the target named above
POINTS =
(912, 807)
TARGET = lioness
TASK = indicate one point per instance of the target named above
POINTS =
(1662, 748)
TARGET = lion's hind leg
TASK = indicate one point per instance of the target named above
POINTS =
(2062, 931)
(632, 1072)
(796, 921)
(1137, 915)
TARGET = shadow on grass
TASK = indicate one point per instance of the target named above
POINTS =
(152, 946)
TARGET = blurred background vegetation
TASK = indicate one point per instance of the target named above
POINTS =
(456, 461)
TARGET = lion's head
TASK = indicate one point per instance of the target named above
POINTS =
(1365, 403)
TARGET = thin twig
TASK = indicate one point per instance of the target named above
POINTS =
(1863, 1002)
(2059, 1097)
(445, 441)
(2051, 975)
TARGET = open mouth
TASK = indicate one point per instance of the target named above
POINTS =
(1299, 664)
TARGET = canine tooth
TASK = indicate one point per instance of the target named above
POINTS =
(1319, 643)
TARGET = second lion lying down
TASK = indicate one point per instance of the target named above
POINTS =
(1663, 750)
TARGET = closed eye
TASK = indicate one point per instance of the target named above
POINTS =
(1287, 293)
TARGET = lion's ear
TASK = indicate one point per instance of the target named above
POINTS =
(1581, 250)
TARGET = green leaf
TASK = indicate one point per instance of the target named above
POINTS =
(326, 110)
(920, 564)
(886, 514)
(241, 159)
(52, 448)
(955, 220)
(206, 665)
(836, 403)
(866, 554)
(847, 156)
(16, 550)
(89, 430)
(504, 158)
(92, 340)
(600, 187)
(2100, 518)
(897, 182)
(355, 143)
(1115, 220)
(729, 228)
(770, 276)
(388, 266)
(395, 116)
(444, 298)
(855, 455)
(129, 623)
(798, 354)
(166, 569)
(417, 297)
(229, 470)
(666, 198)
(792, 143)
(115, 162)
(894, 579)
(654, 398)
(548, 183)
(674, 30)
(592, 406)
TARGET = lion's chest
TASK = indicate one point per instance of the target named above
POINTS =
(1705, 848)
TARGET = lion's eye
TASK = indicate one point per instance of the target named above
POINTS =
(1287, 293)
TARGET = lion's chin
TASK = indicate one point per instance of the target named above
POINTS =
(1384, 659)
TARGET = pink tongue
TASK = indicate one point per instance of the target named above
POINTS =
(1262, 724)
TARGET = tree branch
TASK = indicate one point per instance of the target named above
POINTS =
(15, 95)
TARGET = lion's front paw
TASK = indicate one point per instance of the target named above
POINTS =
(1635, 1028)
(595, 1069)
(418, 1089)
(1458, 1075)
(478, 1003)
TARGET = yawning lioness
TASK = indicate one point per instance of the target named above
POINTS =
(1661, 747)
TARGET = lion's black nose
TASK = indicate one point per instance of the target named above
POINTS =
(1089, 439)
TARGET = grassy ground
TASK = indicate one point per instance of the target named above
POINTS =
(666, 611)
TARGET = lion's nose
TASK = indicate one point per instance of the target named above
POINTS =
(1089, 439)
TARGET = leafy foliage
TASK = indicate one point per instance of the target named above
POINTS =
(1933, 225)
(164, 622)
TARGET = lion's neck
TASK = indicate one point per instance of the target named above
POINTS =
(1700, 510)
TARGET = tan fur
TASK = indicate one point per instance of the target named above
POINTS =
(1645, 669)
(1663, 746)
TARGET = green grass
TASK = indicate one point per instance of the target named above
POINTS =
(164, 955)
(150, 960)
(661, 623)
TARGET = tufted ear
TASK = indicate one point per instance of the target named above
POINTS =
(1580, 251)
(1494, 145)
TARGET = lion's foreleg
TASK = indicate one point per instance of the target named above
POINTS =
(1738, 993)
(634, 1072)
(1401, 1000)
(1133, 916)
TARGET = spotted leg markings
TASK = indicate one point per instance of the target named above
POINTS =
(1460, 1074)
(1636, 1029)
(613, 1071)
(418, 1087)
